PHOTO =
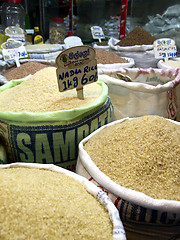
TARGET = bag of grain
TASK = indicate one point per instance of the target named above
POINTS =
(9, 70)
(137, 92)
(44, 51)
(40, 124)
(110, 60)
(53, 203)
(136, 161)
(138, 45)
(172, 64)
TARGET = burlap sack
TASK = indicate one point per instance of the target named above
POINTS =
(143, 217)
(51, 137)
(118, 229)
(150, 92)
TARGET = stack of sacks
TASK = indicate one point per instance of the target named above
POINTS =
(166, 25)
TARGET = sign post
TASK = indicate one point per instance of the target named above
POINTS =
(165, 48)
(13, 49)
(76, 67)
(97, 33)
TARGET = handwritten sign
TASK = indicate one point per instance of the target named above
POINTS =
(165, 48)
(97, 33)
(76, 67)
(13, 50)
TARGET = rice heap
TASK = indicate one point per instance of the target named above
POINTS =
(40, 93)
(106, 57)
(23, 70)
(142, 154)
(42, 204)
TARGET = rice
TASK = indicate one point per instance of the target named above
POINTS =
(142, 154)
(40, 93)
(42, 204)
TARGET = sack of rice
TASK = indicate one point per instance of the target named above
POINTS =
(172, 64)
(109, 60)
(9, 70)
(136, 161)
(138, 45)
(39, 201)
(40, 124)
(44, 51)
(136, 92)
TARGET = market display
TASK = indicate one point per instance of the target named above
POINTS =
(109, 115)
(144, 154)
(43, 204)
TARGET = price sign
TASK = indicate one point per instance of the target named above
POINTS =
(76, 67)
(97, 33)
(165, 48)
(13, 50)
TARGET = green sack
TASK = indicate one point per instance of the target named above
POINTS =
(51, 137)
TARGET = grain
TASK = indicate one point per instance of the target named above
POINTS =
(138, 36)
(40, 204)
(106, 57)
(103, 43)
(142, 154)
(24, 70)
(172, 63)
(40, 93)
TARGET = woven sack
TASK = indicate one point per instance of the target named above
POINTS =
(161, 65)
(151, 91)
(143, 55)
(115, 66)
(51, 137)
(143, 217)
(118, 229)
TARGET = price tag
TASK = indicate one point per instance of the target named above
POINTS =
(165, 48)
(13, 50)
(97, 33)
(76, 67)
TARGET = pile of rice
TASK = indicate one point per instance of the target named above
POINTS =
(42, 204)
(142, 154)
(40, 93)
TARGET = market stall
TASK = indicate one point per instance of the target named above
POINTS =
(89, 119)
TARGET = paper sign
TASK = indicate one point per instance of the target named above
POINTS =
(13, 50)
(76, 67)
(97, 32)
(165, 48)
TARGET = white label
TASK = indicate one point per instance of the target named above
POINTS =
(76, 67)
(16, 33)
(13, 50)
(165, 48)
(97, 32)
